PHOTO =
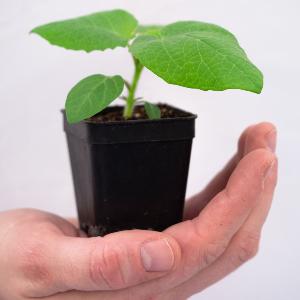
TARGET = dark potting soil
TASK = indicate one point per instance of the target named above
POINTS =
(115, 114)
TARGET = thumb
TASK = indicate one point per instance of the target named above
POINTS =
(116, 261)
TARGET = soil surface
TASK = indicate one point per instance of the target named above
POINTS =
(115, 114)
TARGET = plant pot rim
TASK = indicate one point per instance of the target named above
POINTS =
(132, 131)
(189, 116)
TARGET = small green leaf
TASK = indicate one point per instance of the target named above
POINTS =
(197, 55)
(152, 110)
(91, 95)
(97, 31)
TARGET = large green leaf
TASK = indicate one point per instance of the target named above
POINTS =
(91, 95)
(97, 31)
(197, 55)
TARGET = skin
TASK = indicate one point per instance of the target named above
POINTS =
(46, 257)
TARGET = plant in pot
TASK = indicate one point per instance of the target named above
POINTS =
(130, 164)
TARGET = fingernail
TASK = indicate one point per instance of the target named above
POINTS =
(157, 256)
(271, 140)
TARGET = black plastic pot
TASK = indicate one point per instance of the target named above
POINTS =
(130, 174)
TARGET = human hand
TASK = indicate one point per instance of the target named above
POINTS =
(43, 256)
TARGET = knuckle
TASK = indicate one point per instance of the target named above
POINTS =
(106, 267)
(247, 247)
(212, 251)
(33, 264)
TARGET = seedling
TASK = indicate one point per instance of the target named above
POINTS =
(191, 54)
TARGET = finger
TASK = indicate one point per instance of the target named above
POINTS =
(243, 246)
(116, 261)
(212, 230)
(262, 135)
(104, 295)
(73, 221)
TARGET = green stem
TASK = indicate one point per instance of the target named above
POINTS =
(128, 111)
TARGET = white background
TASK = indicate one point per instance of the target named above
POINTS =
(35, 78)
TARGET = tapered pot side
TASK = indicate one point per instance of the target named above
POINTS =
(130, 174)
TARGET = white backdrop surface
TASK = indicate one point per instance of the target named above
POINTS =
(35, 78)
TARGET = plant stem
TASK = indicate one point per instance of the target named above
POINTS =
(128, 111)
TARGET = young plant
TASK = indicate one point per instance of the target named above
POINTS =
(187, 53)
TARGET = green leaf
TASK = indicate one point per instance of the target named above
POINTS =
(97, 31)
(149, 29)
(152, 110)
(197, 55)
(91, 95)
